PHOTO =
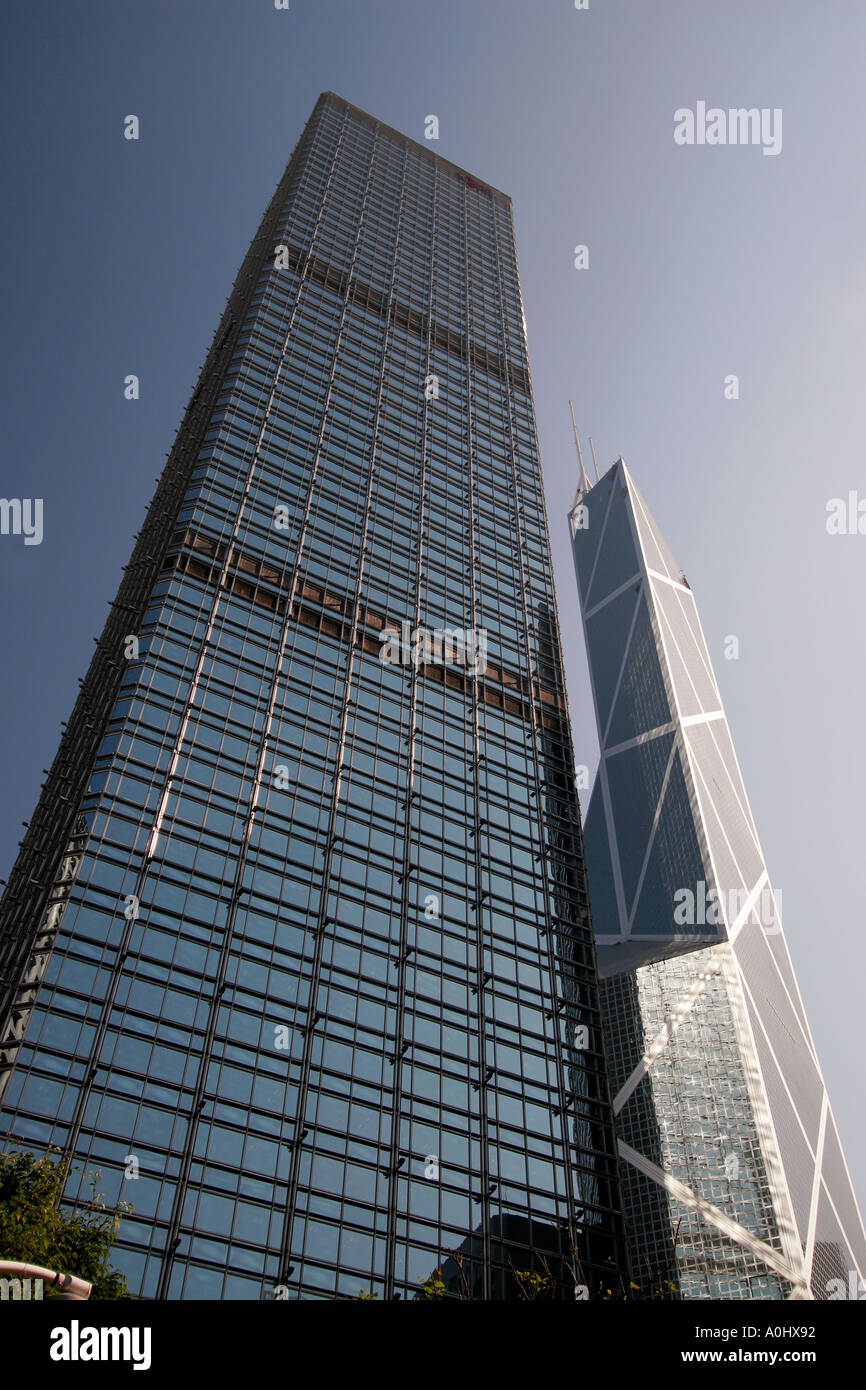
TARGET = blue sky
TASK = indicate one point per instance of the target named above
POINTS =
(703, 261)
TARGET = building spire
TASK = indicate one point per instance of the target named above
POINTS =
(584, 480)
(594, 459)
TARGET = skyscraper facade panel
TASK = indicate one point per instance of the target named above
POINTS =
(305, 966)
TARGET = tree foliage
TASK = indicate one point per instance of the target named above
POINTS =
(34, 1229)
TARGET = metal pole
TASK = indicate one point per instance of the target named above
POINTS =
(594, 459)
(584, 480)
(67, 1285)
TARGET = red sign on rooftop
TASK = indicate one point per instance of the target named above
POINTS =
(475, 183)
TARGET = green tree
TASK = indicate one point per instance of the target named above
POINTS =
(34, 1229)
(432, 1287)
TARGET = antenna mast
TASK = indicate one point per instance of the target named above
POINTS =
(594, 459)
(584, 480)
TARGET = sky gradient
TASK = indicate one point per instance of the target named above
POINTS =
(703, 261)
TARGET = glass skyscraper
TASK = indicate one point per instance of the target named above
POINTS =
(297, 948)
(734, 1182)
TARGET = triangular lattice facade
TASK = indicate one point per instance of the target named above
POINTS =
(735, 1183)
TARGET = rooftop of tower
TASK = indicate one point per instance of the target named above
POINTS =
(364, 117)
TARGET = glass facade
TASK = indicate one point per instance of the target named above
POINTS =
(306, 967)
(734, 1184)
